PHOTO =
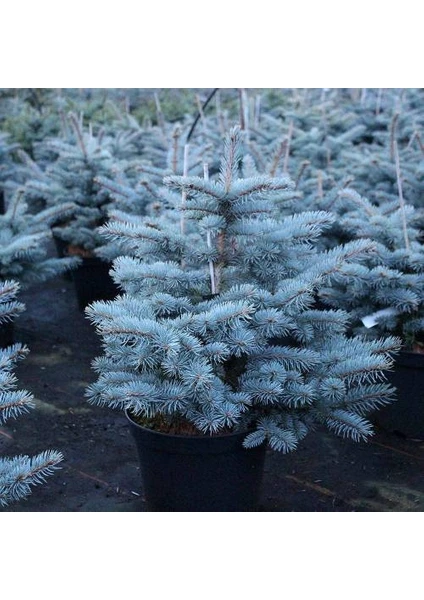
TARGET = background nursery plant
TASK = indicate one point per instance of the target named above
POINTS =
(75, 163)
(388, 297)
(391, 288)
(18, 474)
(221, 333)
(24, 239)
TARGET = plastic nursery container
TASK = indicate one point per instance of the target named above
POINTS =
(198, 473)
(93, 282)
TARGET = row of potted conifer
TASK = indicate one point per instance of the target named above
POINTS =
(260, 280)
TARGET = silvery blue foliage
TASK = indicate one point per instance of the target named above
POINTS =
(69, 177)
(218, 324)
(135, 187)
(7, 166)
(10, 307)
(393, 276)
(24, 239)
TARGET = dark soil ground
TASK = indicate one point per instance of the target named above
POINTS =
(100, 472)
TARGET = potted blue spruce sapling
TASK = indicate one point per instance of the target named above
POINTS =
(71, 177)
(78, 161)
(24, 248)
(216, 342)
(24, 243)
(24, 237)
(388, 299)
(18, 474)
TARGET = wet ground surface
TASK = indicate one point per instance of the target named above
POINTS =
(100, 472)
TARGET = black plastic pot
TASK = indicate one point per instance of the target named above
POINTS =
(7, 334)
(198, 473)
(406, 414)
(93, 282)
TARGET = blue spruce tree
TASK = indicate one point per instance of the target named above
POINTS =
(217, 327)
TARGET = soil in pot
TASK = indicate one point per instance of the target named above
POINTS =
(198, 473)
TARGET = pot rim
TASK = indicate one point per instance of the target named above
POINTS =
(186, 437)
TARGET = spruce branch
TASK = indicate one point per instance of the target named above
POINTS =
(208, 99)
(20, 473)
(159, 114)
(231, 159)
(347, 424)
(393, 124)
(257, 113)
(184, 190)
(287, 148)
(277, 156)
(242, 108)
(209, 240)
(202, 114)
(401, 200)
(175, 137)
(357, 200)
(417, 135)
(29, 162)
(14, 403)
(303, 165)
(77, 127)
(15, 204)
